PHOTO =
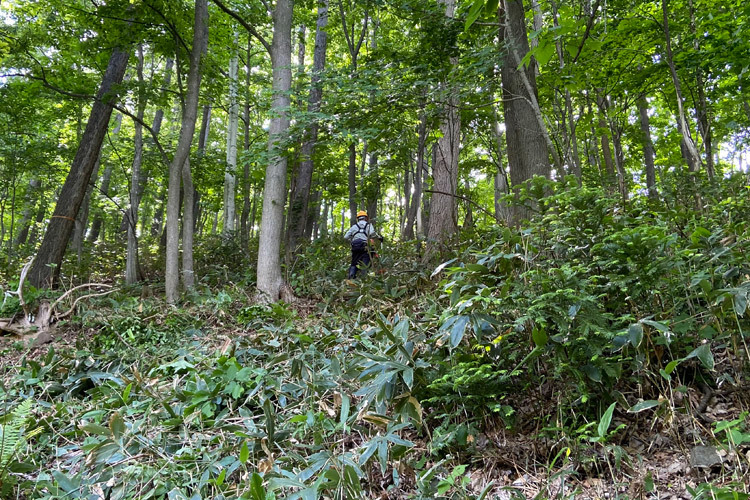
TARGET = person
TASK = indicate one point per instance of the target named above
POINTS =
(359, 235)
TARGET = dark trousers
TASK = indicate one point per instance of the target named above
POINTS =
(360, 258)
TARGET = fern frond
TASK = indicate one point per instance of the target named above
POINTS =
(12, 430)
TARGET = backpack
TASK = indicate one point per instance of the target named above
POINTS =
(360, 230)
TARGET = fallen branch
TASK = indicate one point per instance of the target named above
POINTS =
(40, 325)
(75, 303)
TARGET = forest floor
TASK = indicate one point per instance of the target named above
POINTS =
(670, 455)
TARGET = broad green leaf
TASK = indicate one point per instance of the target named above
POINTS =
(635, 334)
(643, 405)
(740, 302)
(442, 266)
(671, 366)
(244, 452)
(606, 421)
(270, 418)
(117, 426)
(540, 337)
(474, 12)
(67, 484)
(257, 492)
(703, 353)
(458, 329)
(126, 393)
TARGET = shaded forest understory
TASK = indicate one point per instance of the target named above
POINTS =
(599, 352)
(558, 308)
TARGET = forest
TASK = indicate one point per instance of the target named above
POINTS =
(552, 201)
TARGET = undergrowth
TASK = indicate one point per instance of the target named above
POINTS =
(578, 331)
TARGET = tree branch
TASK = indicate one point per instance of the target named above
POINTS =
(588, 29)
(244, 24)
(474, 203)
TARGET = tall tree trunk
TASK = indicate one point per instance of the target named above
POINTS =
(300, 198)
(312, 217)
(322, 229)
(46, 267)
(104, 185)
(443, 206)
(503, 213)
(230, 174)
(26, 219)
(606, 149)
(704, 124)
(83, 213)
(131, 262)
(187, 128)
(353, 183)
(188, 225)
(648, 148)
(528, 143)
(569, 116)
(374, 188)
(270, 280)
(416, 200)
(34, 232)
(354, 45)
(244, 231)
(690, 151)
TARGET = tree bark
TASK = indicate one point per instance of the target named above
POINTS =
(244, 232)
(188, 226)
(270, 280)
(443, 207)
(648, 148)
(25, 223)
(690, 151)
(528, 143)
(46, 268)
(187, 129)
(131, 261)
(704, 124)
(300, 198)
(416, 199)
(230, 173)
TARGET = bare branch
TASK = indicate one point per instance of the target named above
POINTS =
(244, 24)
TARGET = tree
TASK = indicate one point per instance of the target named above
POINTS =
(443, 211)
(46, 268)
(270, 280)
(526, 137)
(230, 174)
(187, 129)
(300, 198)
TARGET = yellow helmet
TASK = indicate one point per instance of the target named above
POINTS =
(362, 213)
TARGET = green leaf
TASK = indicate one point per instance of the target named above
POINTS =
(345, 408)
(544, 52)
(635, 334)
(244, 452)
(257, 492)
(126, 393)
(117, 426)
(270, 419)
(671, 366)
(643, 405)
(67, 484)
(442, 266)
(740, 302)
(540, 337)
(457, 331)
(474, 12)
(606, 421)
(703, 353)
(698, 234)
